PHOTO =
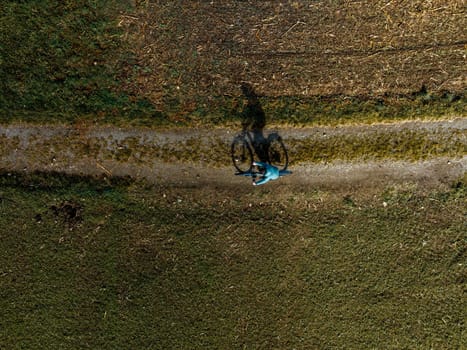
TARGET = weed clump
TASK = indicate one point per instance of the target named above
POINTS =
(69, 211)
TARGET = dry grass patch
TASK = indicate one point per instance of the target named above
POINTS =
(190, 52)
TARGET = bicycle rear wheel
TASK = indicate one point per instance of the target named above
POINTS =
(242, 156)
(277, 153)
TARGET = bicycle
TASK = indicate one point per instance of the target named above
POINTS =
(242, 152)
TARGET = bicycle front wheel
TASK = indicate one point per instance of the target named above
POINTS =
(277, 153)
(242, 156)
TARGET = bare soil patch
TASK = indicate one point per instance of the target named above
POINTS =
(192, 51)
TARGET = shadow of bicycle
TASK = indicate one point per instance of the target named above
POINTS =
(251, 144)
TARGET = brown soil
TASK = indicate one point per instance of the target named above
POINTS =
(192, 51)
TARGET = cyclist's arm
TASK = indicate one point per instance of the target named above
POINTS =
(262, 181)
(261, 164)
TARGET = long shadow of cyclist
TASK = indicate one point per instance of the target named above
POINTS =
(254, 120)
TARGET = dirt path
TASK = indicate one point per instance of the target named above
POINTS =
(173, 156)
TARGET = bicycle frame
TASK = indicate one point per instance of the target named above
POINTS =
(247, 135)
(259, 147)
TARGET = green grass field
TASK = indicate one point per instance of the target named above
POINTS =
(63, 60)
(112, 264)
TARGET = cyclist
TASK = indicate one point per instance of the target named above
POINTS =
(268, 172)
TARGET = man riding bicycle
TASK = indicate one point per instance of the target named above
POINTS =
(268, 172)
